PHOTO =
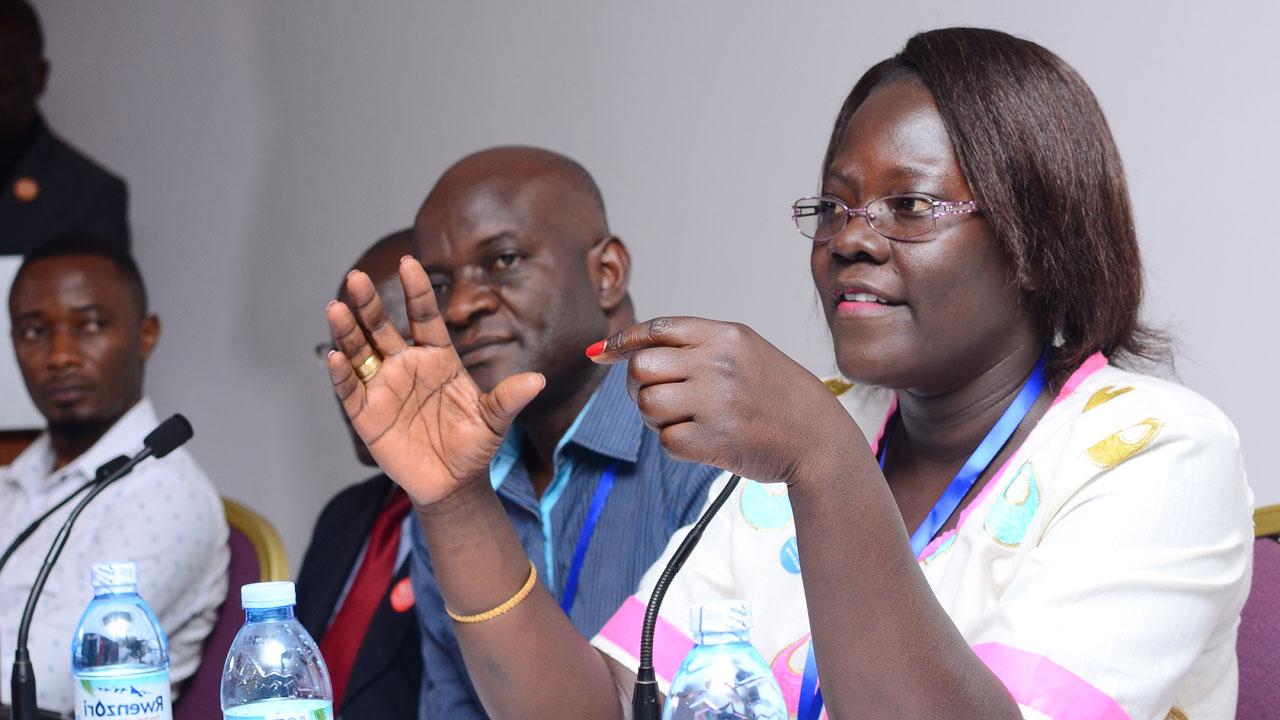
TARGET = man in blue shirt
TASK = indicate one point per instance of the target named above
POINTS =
(526, 274)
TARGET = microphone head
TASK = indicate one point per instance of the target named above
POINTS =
(168, 436)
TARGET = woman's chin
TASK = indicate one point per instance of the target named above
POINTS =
(867, 369)
(881, 364)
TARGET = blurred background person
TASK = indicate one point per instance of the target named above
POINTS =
(353, 590)
(49, 188)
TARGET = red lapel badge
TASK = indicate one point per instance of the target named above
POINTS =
(26, 189)
(402, 596)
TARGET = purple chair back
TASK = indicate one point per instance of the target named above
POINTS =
(200, 698)
(1259, 639)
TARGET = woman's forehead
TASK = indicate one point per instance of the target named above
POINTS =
(895, 135)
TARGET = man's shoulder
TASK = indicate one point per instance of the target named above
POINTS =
(31, 463)
(352, 498)
(63, 163)
(176, 475)
(178, 472)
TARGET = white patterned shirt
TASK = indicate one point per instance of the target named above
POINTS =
(165, 516)
(1099, 574)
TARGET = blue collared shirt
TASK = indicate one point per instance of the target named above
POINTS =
(652, 496)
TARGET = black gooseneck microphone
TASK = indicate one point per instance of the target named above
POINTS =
(163, 440)
(644, 699)
(103, 472)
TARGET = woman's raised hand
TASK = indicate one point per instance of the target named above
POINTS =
(425, 421)
(719, 394)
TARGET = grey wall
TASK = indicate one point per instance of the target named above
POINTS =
(267, 143)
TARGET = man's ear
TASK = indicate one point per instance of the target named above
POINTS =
(149, 335)
(610, 266)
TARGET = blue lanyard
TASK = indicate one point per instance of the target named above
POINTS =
(944, 508)
(603, 488)
(810, 694)
(977, 463)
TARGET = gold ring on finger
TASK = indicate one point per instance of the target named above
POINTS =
(367, 369)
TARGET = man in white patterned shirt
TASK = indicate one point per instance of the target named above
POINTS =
(82, 335)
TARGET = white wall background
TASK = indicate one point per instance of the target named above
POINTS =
(266, 144)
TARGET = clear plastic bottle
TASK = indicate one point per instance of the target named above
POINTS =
(119, 655)
(274, 670)
(723, 677)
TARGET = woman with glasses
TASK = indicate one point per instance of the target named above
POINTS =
(989, 519)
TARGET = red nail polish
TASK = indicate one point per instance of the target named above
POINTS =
(595, 349)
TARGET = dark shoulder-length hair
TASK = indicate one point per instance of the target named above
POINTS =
(1040, 160)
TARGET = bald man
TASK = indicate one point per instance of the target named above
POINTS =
(353, 589)
(527, 274)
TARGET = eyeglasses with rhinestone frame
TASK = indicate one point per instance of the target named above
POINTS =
(908, 217)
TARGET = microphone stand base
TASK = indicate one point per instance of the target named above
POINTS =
(22, 686)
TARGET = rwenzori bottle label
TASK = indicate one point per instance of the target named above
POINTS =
(134, 697)
(289, 709)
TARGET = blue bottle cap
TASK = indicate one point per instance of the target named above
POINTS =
(267, 595)
(114, 574)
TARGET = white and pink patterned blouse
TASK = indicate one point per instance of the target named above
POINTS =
(1099, 574)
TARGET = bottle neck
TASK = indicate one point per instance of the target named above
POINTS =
(712, 637)
(109, 590)
(265, 614)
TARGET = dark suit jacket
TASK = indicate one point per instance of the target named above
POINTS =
(387, 676)
(73, 194)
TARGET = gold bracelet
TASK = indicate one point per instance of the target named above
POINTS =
(515, 600)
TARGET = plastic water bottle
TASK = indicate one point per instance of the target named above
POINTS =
(120, 656)
(274, 670)
(723, 676)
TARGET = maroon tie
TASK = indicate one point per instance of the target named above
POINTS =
(342, 640)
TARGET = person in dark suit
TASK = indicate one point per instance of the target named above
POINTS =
(49, 188)
(353, 590)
